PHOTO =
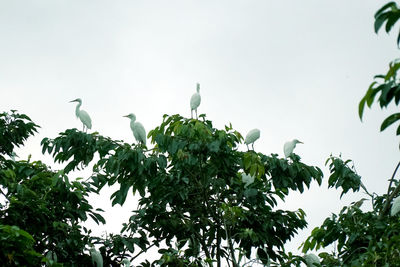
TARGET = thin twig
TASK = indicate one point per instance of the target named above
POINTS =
(390, 197)
(230, 245)
(391, 180)
(365, 188)
(142, 252)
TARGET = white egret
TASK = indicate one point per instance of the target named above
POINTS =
(82, 115)
(97, 259)
(195, 101)
(312, 260)
(247, 179)
(137, 128)
(251, 137)
(395, 206)
(289, 146)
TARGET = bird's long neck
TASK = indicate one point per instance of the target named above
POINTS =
(77, 109)
(198, 88)
(133, 121)
(294, 144)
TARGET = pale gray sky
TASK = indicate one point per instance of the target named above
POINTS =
(293, 69)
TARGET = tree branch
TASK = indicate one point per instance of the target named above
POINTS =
(228, 238)
(390, 197)
(137, 255)
(391, 179)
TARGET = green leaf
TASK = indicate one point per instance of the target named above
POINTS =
(392, 19)
(100, 218)
(383, 99)
(250, 192)
(398, 39)
(379, 20)
(94, 218)
(383, 8)
(128, 244)
(390, 120)
(262, 255)
(361, 106)
(371, 92)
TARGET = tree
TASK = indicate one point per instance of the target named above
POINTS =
(192, 193)
(367, 238)
(42, 210)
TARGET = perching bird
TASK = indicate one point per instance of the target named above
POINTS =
(247, 179)
(251, 137)
(97, 259)
(312, 260)
(289, 146)
(82, 115)
(137, 128)
(195, 101)
(359, 203)
(395, 206)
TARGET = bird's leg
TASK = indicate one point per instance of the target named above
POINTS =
(247, 147)
(196, 115)
(191, 113)
(252, 145)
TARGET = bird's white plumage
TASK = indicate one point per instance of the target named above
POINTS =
(195, 100)
(82, 115)
(311, 260)
(289, 146)
(251, 137)
(395, 206)
(137, 128)
(97, 259)
(247, 179)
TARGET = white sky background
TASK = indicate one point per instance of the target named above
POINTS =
(293, 69)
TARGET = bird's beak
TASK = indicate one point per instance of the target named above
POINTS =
(301, 142)
(73, 100)
(126, 116)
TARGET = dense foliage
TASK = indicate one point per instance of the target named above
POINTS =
(41, 209)
(194, 205)
(192, 192)
(203, 201)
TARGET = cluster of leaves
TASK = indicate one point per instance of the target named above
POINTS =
(386, 86)
(14, 130)
(17, 247)
(361, 238)
(342, 175)
(49, 207)
(41, 210)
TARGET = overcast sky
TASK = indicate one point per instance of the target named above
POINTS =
(293, 69)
